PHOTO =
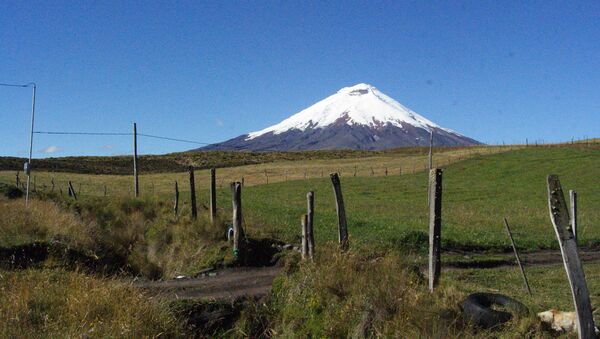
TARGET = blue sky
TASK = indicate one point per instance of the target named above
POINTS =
(208, 71)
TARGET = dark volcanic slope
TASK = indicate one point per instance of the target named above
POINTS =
(344, 136)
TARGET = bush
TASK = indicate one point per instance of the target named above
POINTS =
(11, 191)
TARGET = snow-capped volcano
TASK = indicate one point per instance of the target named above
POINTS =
(356, 117)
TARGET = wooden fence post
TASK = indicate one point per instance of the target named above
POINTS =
(213, 195)
(176, 206)
(136, 183)
(238, 230)
(105, 190)
(267, 176)
(435, 226)
(559, 214)
(72, 191)
(304, 223)
(512, 241)
(573, 198)
(341, 211)
(310, 202)
(18, 181)
(193, 192)
(52, 182)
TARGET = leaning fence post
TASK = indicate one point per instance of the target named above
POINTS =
(573, 198)
(304, 223)
(193, 192)
(310, 202)
(435, 226)
(341, 211)
(512, 241)
(238, 230)
(18, 181)
(213, 195)
(72, 191)
(176, 206)
(559, 214)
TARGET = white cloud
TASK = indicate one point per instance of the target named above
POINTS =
(50, 149)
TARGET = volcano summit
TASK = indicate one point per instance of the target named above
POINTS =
(357, 117)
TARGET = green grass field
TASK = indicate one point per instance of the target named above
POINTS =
(385, 212)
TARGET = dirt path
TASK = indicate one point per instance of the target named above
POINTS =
(225, 284)
(232, 283)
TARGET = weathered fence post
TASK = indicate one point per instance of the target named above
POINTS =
(176, 206)
(238, 230)
(136, 183)
(72, 191)
(435, 226)
(267, 176)
(310, 202)
(52, 182)
(559, 214)
(18, 181)
(105, 190)
(512, 241)
(304, 223)
(341, 211)
(193, 192)
(573, 198)
(213, 195)
(355, 170)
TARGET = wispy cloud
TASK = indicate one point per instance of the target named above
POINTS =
(219, 122)
(50, 149)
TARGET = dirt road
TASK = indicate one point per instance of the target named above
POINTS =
(228, 283)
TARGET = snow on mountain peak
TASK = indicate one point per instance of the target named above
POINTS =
(361, 104)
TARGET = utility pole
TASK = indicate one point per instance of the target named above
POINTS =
(136, 183)
(431, 149)
(27, 166)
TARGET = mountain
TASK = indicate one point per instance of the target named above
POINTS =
(357, 117)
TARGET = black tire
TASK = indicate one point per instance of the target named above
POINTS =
(477, 309)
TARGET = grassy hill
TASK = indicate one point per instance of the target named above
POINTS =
(391, 212)
(174, 162)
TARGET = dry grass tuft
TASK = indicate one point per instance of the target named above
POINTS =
(57, 303)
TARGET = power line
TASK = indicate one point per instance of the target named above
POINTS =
(173, 139)
(122, 134)
(13, 85)
(81, 133)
